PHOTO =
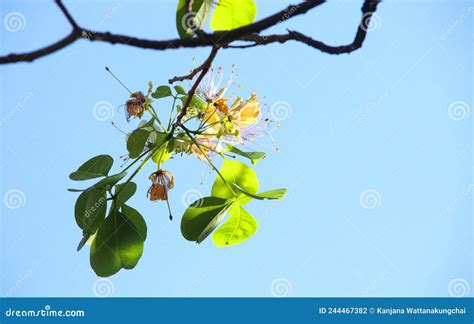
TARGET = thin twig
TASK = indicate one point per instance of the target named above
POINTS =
(205, 68)
(189, 76)
(67, 14)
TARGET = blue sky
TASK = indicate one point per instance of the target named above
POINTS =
(389, 121)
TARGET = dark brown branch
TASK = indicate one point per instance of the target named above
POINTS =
(191, 74)
(221, 39)
(204, 69)
(31, 56)
(368, 9)
(206, 66)
(67, 14)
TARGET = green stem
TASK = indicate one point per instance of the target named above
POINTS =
(136, 160)
(152, 112)
(171, 113)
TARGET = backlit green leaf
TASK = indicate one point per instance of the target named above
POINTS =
(90, 209)
(232, 14)
(195, 103)
(235, 172)
(271, 194)
(136, 142)
(125, 192)
(117, 244)
(254, 157)
(179, 90)
(109, 182)
(162, 92)
(148, 125)
(96, 167)
(188, 24)
(202, 217)
(136, 219)
(238, 228)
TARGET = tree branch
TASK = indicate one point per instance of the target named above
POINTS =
(67, 14)
(368, 9)
(220, 39)
(204, 68)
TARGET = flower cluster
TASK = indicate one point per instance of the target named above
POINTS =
(225, 119)
(219, 119)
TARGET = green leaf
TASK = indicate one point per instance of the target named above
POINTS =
(117, 244)
(148, 125)
(195, 103)
(179, 90)
(96, 167)
(75, 190)
(125, 192)
(254, 157)
(90, 209)
(136, 219)
(202, 217)
(232, 14)
(85, 238)
(235, 172)
(162, 92)
(109, 182)
(156, 138)
(136, 142)
(238, 228)
(187, 25)
(266, 195)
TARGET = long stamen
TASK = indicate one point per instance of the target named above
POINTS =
(117, 79)
(169, 209)
(115, 126)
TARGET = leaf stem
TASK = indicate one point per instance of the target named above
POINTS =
(152, 112)
(171, 112)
